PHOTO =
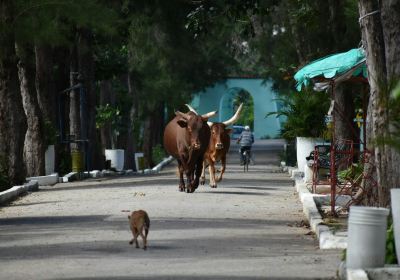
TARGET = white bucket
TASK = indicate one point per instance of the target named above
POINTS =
(395, 201)
(304, 146)
(117, 158)
(366, 245)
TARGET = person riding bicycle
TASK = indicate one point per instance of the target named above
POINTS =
(246, 140)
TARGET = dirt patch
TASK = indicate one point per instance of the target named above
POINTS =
(335, 221)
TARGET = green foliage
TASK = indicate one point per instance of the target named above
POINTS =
(304, 113)
(107, 115)
(158, 154)
(393, 104)
(352, 173)
(50, 133)
(53, 21)
(247, 115)
(65, 162)
(289, 154)
(390, 257)
(343, 256)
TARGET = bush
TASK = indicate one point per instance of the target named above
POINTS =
(289, 155)
(158, 154)
(305, 114)
(390, 257)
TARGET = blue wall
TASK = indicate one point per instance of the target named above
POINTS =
(220, 97)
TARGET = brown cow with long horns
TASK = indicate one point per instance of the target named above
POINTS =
(186, 138)
(218, 147)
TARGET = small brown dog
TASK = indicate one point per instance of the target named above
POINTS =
(138, 221)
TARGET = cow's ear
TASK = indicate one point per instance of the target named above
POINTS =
(182, 123)
(228, 130)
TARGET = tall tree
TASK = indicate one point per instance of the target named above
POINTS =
(379, 24)
(12, 117)
(168, 63)
(34, 146)
(86, 70)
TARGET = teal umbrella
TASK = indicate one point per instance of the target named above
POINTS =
(336, 66)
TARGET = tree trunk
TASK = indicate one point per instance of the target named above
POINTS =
(106, 97)
(133, 119)
(344, 113)
(86, 69)
(378, 68)
(390, 17)
(46, 92)
(153, 131)
(298, 41)
(74, 118)
(12, 116)
(147, 140)
(34, 147)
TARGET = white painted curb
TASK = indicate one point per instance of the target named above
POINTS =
(47, 180)
(14, 192)
(163, 163)
(356, 274)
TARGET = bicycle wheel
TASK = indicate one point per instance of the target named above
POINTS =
(246, 160)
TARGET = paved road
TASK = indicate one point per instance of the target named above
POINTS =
(247, 228)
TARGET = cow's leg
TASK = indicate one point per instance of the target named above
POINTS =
(203, 173)
(223, 164)
(181, 181)
(189, 182)
(198, 170)
(211, 169)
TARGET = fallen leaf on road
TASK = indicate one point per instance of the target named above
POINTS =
(139, 194)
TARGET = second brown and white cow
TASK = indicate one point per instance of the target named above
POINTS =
(218, 147)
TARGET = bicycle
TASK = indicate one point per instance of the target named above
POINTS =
(246, 160)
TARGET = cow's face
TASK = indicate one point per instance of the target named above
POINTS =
(219, 134)
(193, 124)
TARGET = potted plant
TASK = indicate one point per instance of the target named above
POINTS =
(109, 116)
(303, 115)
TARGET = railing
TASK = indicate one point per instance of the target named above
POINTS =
(343, 154)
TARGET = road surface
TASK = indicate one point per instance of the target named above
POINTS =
(250, 227)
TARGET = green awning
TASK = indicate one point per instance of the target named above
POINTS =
(351, 63)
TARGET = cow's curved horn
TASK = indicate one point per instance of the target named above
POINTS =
(209, 115)
(210, 124)
(235, 116)
(191, 109)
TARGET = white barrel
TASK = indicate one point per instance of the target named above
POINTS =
(366, 244)
(395, 201)
(117, 158)
(304, 146)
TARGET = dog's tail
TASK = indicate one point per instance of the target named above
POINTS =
(146, 225)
